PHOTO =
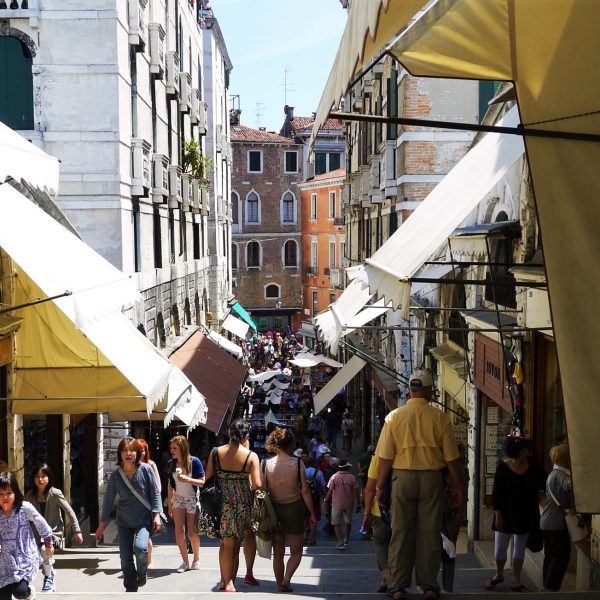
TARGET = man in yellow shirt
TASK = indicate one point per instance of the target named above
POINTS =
(417, 442)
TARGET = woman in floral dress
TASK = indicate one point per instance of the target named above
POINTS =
(238, 474)
(19, 556)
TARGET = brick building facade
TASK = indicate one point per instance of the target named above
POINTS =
(266, 248)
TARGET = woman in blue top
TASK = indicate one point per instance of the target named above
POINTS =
(186, 474)
(19, 556)
(135, 519)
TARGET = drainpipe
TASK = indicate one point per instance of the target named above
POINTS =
(476, 474)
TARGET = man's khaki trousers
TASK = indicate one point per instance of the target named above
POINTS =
(417, 503)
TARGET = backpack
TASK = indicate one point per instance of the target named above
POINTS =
(313, 486)
(348, 426)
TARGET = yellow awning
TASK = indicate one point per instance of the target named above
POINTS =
(549, 50)
(78, 353)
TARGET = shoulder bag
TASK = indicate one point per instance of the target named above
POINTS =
(266, 518)
(163, 518)
(577, 530)
(211, 494)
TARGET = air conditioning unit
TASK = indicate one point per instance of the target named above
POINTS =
(195, 108)
(195, 196)
(186, 191)
(141, 170)
(185, 92)
(202, 117)
(160, 186)
(156, 33)
(174, 186)
(137, 24)
(172, 70)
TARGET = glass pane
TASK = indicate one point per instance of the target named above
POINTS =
(334, 161)
(320, 163)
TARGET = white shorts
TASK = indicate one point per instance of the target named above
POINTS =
(186, 502)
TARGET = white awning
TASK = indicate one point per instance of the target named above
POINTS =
(336, 383)
(388, 272)
(236, 326)
(77, 353)
(224, 343)
(264, 376)
(306, 360)
(20, 159)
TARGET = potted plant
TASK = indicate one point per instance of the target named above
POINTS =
(196, 163)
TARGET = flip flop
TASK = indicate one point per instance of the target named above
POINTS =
(519, 588)
(431, 594)
(286, 589)
(491, 583)
(398, 595)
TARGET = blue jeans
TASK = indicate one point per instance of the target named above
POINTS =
(133, 541)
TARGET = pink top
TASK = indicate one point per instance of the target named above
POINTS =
(343, 486)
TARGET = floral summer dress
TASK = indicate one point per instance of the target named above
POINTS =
(237, 501)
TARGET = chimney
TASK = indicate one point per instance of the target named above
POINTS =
(289, 112)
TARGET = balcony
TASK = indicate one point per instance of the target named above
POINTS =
(500, 289)
(21, 9)
(335, 277)
(339, 221)
(312, 271)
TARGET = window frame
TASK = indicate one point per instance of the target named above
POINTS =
(284, 254)
(235, 252)
(313, 207)
(285, 161)
(267, 286)
(283, 204)
(258, 208)
(331, 205)
(248, 265)
(248, 153)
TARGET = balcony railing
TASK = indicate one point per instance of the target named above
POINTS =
(24, 9)
(311, 271)
(339, 221)
(500, 289)
(335, 276)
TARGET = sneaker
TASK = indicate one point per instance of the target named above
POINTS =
(31, 593)
(48, 585)
(195, 566)
(183, 567)
(341, 547)
(141, 581)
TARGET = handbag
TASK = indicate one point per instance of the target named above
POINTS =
(264, 548)
(163, 518)
(266, 518)
(577, 530)
(211, 494)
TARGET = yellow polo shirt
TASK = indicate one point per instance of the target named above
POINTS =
(372, 474)
(418, 437)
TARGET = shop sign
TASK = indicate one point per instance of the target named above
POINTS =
(490, 372)
(5, 350)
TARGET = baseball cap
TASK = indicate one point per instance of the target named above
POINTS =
(420, 378)
(298, 452)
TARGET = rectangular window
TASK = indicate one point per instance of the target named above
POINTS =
(320, 163)
(313, 206)
(314, 304)
(331, 298)
(342, 255)
(254, 161)
(291, 161)
(314, 253)
(335, 159)
(332, 205)
(332, 264)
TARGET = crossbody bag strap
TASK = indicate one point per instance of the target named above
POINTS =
(134, 491)
(216, 463)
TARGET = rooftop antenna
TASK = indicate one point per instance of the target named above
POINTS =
(260, 112)
(286, 84)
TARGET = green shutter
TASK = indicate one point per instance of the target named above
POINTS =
(16, 85)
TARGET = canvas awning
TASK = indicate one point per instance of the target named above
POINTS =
(217, 376)
(307, 360)
(387, 274)
(77, 353)
(20, 159)
(241, 311)
(236, 326)
(226, 344)
(337, 383)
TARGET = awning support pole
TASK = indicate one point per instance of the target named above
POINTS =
(34, 302)
(519, 130)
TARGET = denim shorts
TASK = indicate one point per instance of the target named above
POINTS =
(186, 502)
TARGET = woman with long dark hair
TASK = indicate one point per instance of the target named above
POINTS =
(51, 503)
(19, 556)
(148, 460)
(186, 475)
(284, 477)
(238, 475)
(138, 512)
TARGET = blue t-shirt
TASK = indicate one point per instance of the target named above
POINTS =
(197, 472)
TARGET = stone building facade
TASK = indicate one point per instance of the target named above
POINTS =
(266, 251)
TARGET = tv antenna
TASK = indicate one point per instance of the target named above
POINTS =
(260, 112)
(286, 83)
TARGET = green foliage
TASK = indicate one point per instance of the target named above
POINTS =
(196, 163)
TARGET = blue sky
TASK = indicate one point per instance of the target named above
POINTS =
(266, 37)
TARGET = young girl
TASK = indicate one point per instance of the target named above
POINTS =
(19, 556)
(146, 459)
(51, 504)
(186, 474)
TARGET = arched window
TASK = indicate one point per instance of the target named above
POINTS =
(290, 254)
(272, 291)
(16, 83)
(287, 208)
(253, 254)
(234, 256)
(252, 207)
(235, 209)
